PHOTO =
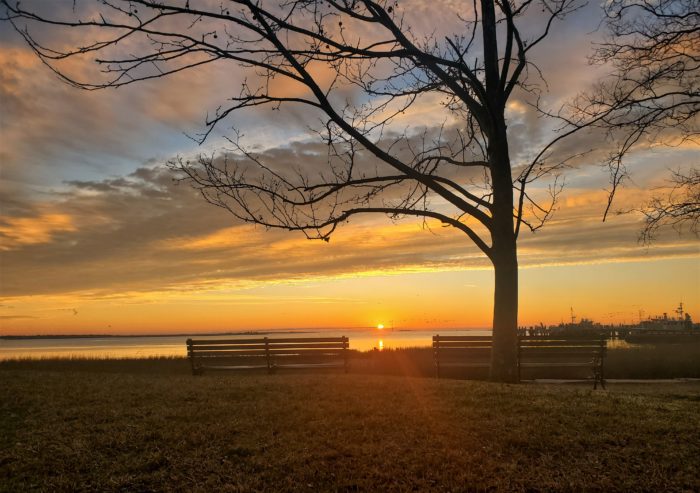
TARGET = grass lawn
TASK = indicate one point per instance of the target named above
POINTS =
(94, 427)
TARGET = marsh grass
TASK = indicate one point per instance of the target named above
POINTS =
(154, 427)
(154, 365)
(658, 361)
(668, 360)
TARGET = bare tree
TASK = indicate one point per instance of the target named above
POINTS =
(679, 207)
(653, 94)
(360, 66)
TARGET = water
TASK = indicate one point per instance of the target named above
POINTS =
(150, 346)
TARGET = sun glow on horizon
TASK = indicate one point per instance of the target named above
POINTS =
(380, 326)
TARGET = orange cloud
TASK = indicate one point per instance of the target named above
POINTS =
(285, 87)
(234, 237)
(18, 231)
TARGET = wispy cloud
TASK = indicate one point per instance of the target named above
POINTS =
(17, 231)
(143, 232)
(87, 211)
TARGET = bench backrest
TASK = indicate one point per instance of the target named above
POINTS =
(552, 347)
(461, 342)
(564, 352)
(461, 347)
(266, 351)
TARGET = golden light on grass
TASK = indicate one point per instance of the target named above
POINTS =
(381, 344)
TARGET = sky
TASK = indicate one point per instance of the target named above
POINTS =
(97, 237)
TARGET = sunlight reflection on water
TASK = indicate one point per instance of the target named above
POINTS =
(174, 346)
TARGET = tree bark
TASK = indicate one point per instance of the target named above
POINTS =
(504, 352)
(504, 257)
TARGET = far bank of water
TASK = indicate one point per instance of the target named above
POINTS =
(174, 345)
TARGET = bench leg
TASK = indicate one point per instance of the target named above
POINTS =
(598, 378)
(196, 370)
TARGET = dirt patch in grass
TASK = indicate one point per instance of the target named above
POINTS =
(326, 431)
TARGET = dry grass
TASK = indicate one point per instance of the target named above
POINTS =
(136, 430)
(644, 361)
(655, 361)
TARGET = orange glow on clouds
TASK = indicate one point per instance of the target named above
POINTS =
(459, 299)
(17, 231)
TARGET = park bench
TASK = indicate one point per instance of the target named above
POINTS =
(561, 352)
(461, 352)
(267, 353)
(533, 352)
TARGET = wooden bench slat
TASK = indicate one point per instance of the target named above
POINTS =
(229, 353)
(557, 352)
(309, 345)
(464, 352)
(288, 352)
(592, 344)
(462, 338)
(308, 339)
(449, 344)
(559, 338)
(473, 364)
(533, 364)
(230, 347)
(338, 364)
(258, 340)
(233, 367)
(305, 351)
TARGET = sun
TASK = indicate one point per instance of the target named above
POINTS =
(380, 326)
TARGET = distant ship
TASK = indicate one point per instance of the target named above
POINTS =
(652, 330)
(665, 329)
(683, 321)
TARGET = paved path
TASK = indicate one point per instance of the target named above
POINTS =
(615, 380)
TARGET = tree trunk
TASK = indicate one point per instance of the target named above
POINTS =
(504, 352)
(504, 253)
(504, 256)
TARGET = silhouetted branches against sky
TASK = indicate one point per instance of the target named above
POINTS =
(679, 207)
(360, 67)
(359, 73)
(653, 96)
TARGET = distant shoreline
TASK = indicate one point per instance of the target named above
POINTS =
(208, 334)
(181, 334)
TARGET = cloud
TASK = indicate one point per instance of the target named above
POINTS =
(143, 232)
(52, 132)
(82, 213)
(17, 231)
